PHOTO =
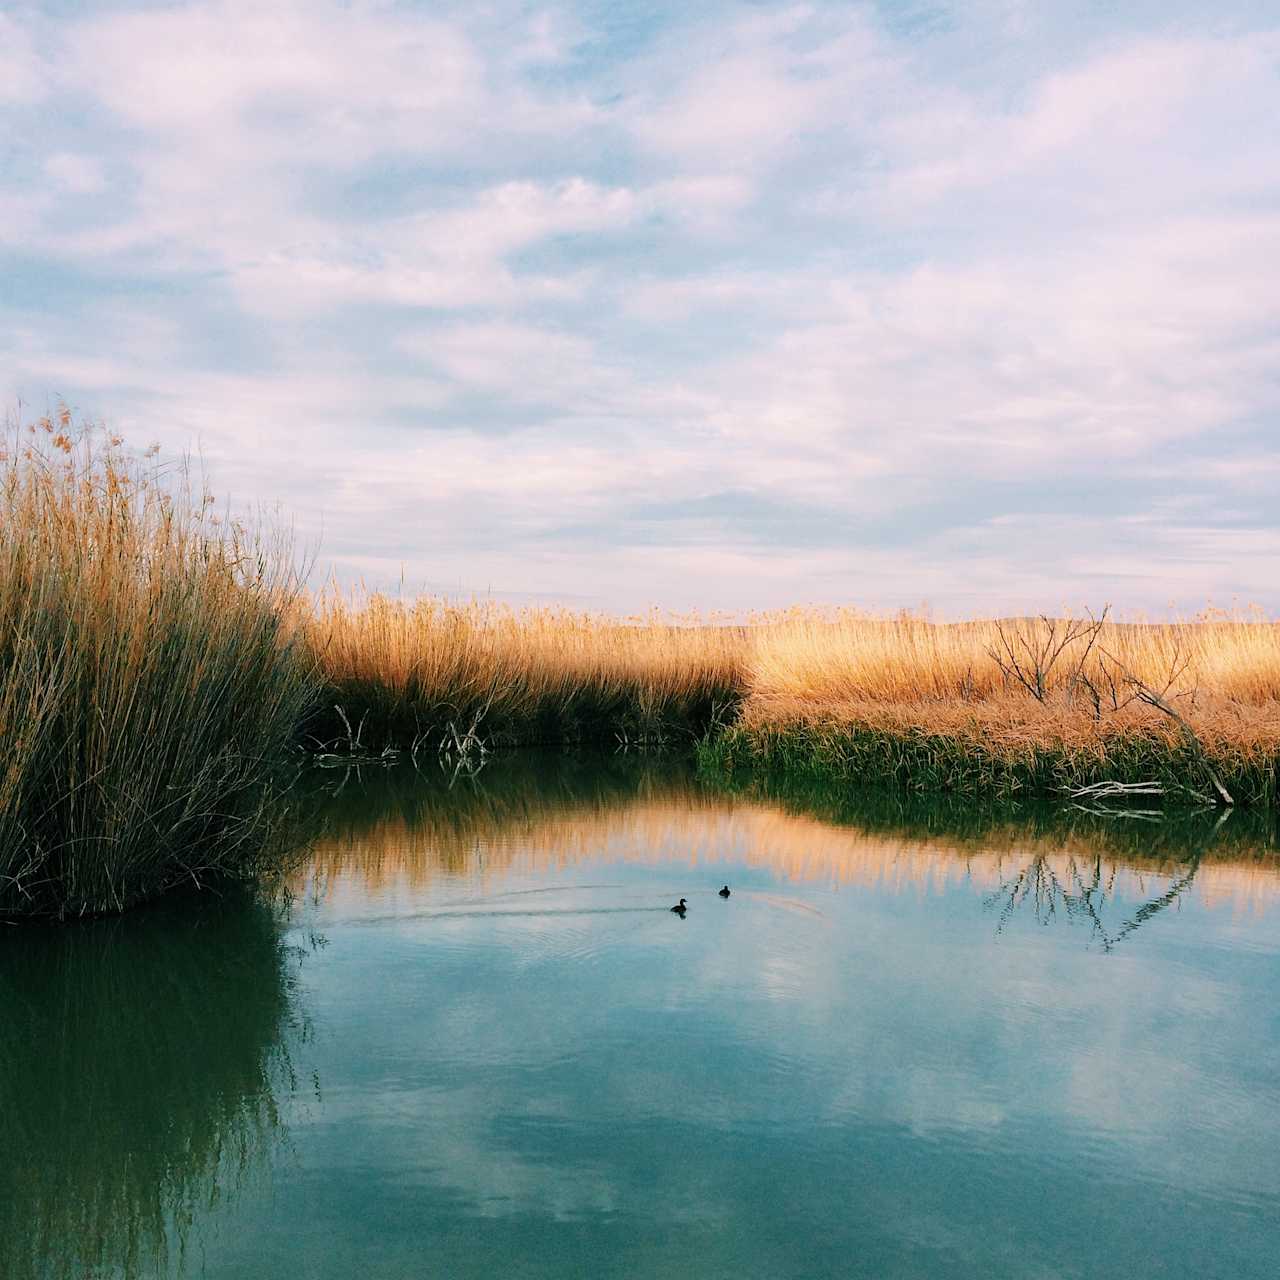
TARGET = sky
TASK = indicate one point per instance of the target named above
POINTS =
(716, 306)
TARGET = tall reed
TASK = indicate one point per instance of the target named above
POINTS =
(519, 675)
(151, 681)
(157, 666)
(1033, 704)
(804, 661)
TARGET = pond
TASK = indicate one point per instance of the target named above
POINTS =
(917, 1040)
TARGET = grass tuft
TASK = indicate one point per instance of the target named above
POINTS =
(514, 676)
(152, 679)
(1035, 706)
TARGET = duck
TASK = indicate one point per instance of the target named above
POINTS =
(680, 908)
(724, 893)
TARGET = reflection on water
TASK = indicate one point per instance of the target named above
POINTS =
(1066, 863)
(138, 1066)
(536, 812)
(920, 1039)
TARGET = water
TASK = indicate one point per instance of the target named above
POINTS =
(917, 1041)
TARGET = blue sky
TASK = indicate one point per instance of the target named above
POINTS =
(719, 306)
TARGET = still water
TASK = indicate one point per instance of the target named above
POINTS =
(916, 1041)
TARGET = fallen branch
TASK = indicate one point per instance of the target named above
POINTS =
(1189, 736)
(1109, 790)
(1157, 700)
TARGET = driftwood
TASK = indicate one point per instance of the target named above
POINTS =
(1092, 797)
(1116, 790)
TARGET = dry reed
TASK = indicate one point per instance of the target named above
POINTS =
(805, 661)
(517, 675)
(1025, 704)
(151, 685)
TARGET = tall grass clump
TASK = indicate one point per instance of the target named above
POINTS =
(151, 680)
(422, 670)
(1036, 705)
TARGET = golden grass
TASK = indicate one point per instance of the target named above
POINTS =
(149, 683)
(434, 659)
(807, 665)
(1038, 703)
(980, 705)
(519, 674)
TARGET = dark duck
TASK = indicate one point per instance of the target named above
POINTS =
(724, 893)
(680, 908)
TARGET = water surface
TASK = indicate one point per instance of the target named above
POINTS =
(917, 1041)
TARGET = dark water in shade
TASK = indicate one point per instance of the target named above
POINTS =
(916, 1042)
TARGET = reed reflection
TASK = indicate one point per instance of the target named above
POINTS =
(532, 812)
(140, 1065)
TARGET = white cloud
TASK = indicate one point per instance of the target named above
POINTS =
(742, 96)
(772, 270)
(24, 77)
(1121, 135)
(443, 258)
(75, 174)
(331, 72)
(514, 362)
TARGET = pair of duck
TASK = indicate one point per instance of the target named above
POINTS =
(680, 908)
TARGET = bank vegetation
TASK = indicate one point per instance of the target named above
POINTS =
(151, 677)
(1087, 707)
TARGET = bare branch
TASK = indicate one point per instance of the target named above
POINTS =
(1149, 696)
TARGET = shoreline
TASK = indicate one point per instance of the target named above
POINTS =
(1126, 770)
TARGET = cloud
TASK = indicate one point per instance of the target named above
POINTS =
(739, 98)
(321, 74)
(24, 75)
(1121, 136)
(745, 306)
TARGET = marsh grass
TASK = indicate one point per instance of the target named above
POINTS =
(1040, 705)
(410, 671)
(152, 678)
(845, 659)
(970, 762)
(1007, 707)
